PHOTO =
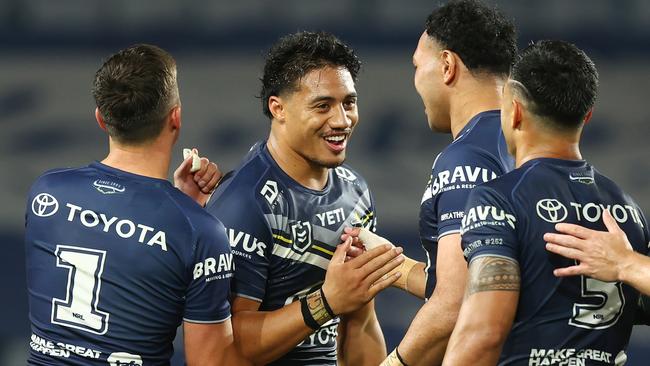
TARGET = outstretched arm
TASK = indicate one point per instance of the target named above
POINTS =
(487, 313)
(413, 276)
(426, 339)
(603, 255)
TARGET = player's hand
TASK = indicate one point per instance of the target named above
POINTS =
(200, 184)
(601, 254)
(352, 284)
(357, 248)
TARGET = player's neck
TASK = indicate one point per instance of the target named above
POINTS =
(547, 146)
(478, 96)
(150, 160)
(301, 170)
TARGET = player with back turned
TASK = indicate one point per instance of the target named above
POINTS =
(117, 258)
(516, 311)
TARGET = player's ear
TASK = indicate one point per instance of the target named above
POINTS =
(449, 66)
(517, 114)
(175, 118)
(588, 116)
(277, 108)
(100, 119)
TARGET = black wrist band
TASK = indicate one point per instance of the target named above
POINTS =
(326, 304)
(306, 314)
(399, 357)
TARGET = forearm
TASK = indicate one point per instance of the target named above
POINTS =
(413, 279)
(485, 346)
(426, 339)
(634, 270)
(362, 342)
(264, 336)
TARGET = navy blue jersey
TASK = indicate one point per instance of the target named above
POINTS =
(477, 155)
(115, 262)
(283, 236)
(568, 321)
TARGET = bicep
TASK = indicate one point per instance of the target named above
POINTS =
(451, 268)
(208, 343)
(492, 292)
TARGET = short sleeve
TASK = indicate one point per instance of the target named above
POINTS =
(489, 226)
(208, 295)
(251, 241)
(454, 176)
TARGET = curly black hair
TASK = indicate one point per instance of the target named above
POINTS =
(483, 38)
(560, 80)
(295, 55)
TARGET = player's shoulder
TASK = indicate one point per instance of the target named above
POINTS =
(254, 174)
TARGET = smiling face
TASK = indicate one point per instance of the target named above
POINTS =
(428, 80)
(318, 117)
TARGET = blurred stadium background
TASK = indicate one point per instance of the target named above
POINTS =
(51, 49)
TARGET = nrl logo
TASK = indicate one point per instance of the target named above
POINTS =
(108, 187)
(301, 233)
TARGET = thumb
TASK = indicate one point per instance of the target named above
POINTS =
(610, 223)
(185, 167)
(341, 251)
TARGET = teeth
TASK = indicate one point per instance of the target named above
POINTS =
(337, 138)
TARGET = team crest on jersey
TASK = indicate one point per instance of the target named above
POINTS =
(301, 233)
(108, 187)
(270, 191)
(44, 205)
(124, 359)
(551, 210)
(345, 173)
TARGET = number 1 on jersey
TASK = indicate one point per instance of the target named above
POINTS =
(79, 308)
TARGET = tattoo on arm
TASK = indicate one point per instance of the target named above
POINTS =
(493, 274)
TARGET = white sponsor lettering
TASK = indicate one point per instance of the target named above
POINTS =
(331, 217)
(124, 228)
(249, 243)
(567, 356)
(461, 174)
(487, 215)
(60, 349)
(211, 266)
(593, 212)
(124, 359)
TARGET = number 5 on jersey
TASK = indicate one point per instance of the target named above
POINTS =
(79, 308)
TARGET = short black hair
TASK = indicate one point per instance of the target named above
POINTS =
(295, 55)
(134, 90)
(483, 38)
(559, 79)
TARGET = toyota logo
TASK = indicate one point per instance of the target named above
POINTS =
(551, 210)
(44, 205)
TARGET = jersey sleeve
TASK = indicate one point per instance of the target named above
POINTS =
(489, 226)
(453, 177)
(207, 299)
(250, 239)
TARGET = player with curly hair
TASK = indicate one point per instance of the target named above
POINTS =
(296, 299)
